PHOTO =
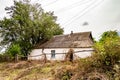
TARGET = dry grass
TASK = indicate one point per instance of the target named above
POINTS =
(54, 70)
(29, 70)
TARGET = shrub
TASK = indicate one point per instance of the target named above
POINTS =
(13, 50)
(109, 52)
(63, 73)
(5, 58)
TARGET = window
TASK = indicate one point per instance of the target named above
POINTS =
(52, 53)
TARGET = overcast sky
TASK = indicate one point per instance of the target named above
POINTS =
(98, 15)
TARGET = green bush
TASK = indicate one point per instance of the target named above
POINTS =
(63, 73)
(108, 53)
(10, 53)
(13, 50)
(5, 58)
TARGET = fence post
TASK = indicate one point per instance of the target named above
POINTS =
(28, 57)
(45, 58)
(16, 58)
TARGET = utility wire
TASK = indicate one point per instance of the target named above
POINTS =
(96, 5)
(79, 13)
(50, 3)
(74, 19)
(36, 1)
(79, 3)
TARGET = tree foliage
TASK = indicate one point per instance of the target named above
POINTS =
(108, 34)
(108, 48)
(28, 25)
(14, 49)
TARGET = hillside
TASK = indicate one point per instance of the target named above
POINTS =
(82, 69)
(31, 70)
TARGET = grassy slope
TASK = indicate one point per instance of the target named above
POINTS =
(78, 70)
(29, 70)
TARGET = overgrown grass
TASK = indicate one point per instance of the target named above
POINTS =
(29, 70)
(88, 68)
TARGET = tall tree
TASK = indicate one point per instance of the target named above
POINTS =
(28, 25)
(109, 34)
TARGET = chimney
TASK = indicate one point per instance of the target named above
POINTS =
(69, 36)
(71, 33)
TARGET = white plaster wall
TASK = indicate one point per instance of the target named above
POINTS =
(57, 57)
(83, 54)
(34, 55)
(60, 56)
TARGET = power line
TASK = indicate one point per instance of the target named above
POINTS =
(50, 3)
(91, 8)
(72, 5)
(36, 1)
(73, 18)
(79, 13)
(79, 3)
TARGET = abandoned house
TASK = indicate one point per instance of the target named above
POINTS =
(56, 48)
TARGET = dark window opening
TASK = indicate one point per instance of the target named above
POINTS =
(52, 53)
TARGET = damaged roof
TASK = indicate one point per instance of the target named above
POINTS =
(73, 40)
